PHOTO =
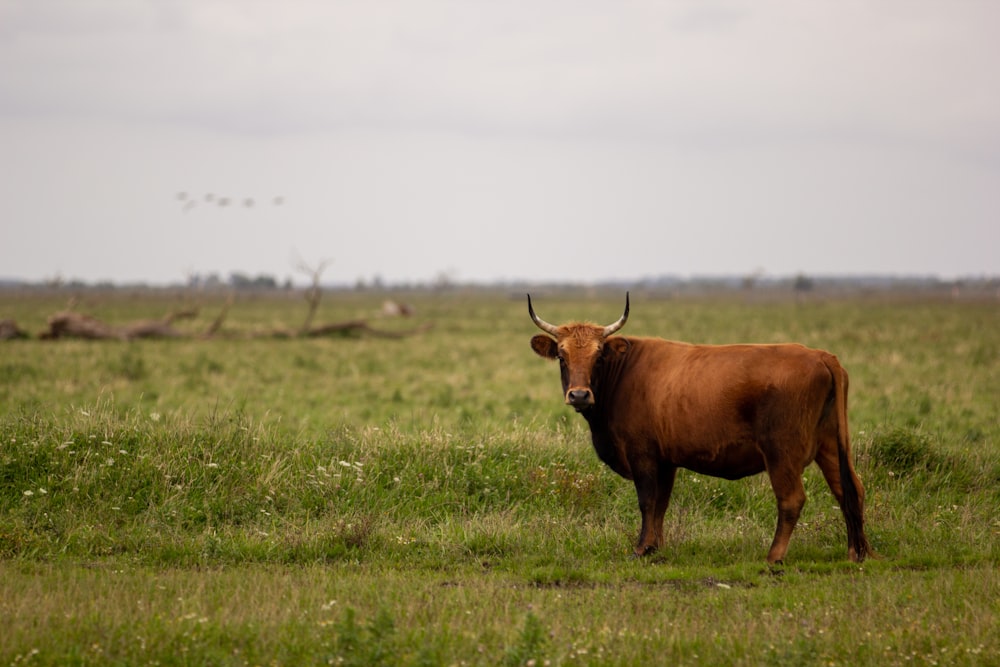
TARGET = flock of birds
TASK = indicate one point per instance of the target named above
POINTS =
(188, 201)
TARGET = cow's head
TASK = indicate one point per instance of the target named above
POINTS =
(580, 347)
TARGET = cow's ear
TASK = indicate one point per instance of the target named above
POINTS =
(544, 347)
(616, 345)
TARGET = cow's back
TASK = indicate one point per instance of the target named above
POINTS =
(717, 409)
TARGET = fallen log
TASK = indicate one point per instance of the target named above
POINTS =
(10, 331)
(158, 328)
(361, 327)
(68, 324)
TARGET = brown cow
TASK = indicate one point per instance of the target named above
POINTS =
(729, 411)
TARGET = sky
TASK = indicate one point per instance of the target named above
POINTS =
(542, 140)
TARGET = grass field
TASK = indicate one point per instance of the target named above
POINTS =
(430, 501)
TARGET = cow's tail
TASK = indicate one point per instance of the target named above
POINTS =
(853, 504)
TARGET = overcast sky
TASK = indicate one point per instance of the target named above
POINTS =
(540, 140)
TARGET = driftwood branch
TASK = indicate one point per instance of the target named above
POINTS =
(361, 327)
(217, 322)
(314, 293)
(69, 324)
(10, 331)
(158, 328)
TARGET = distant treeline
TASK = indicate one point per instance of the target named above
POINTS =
(800, 283)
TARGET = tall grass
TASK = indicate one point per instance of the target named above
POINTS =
(429, 501)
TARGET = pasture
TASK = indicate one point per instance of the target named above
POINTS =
(430, 500)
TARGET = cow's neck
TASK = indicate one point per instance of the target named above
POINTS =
(600, 417)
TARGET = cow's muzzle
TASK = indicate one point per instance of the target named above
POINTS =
(580, 398)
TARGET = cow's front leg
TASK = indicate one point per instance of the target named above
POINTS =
(653, 486)
(791, 496)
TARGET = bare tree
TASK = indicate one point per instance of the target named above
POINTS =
(315, 292)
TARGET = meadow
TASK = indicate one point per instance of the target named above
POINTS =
(429, 500)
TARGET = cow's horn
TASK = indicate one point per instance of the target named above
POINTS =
(612, 328)
(539, 322)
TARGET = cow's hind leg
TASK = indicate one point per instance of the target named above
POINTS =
(850, 495)
(786, 481)
(653, 489)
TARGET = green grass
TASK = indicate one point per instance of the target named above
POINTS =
(430, 501)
